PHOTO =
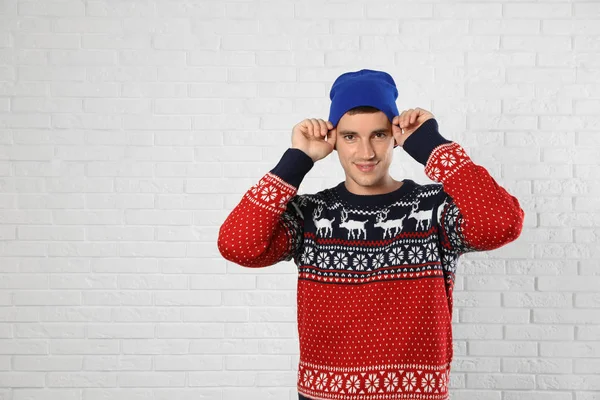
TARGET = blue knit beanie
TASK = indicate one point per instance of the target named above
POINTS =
(366, 87)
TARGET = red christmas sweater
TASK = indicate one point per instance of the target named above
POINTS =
(375, 272)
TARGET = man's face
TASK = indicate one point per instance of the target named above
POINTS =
(365, 139)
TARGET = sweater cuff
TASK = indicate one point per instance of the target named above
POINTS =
(421, 143)
(293, 166)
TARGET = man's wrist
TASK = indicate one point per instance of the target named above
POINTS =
(304, 151)
(421, 142)
(293, 166)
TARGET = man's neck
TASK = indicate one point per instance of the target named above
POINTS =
(391, 186)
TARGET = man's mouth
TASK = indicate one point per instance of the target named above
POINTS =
(366, 167)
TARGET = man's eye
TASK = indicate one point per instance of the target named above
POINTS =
(381, 135)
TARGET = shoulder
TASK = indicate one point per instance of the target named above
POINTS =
(302, 203)
(433, 190)
(318, 197)
(432, 194)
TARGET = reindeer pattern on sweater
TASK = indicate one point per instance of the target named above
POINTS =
(410, 227)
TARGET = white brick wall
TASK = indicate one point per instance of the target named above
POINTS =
(130, 129)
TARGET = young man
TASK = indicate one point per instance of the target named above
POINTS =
(376, 257)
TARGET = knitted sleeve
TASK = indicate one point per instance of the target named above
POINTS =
(476, 214)
(266, 227)
(451, 223)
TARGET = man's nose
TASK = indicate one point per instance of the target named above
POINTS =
(366, 150)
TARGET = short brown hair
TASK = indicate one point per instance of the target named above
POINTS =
(363, 110)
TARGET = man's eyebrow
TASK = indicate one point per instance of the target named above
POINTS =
(347, 132)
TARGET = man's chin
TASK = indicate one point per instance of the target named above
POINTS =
(366, 180)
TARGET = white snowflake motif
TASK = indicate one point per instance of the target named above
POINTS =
(378, 260)
(283, 201)
(268, 193)
(307, 378)
(415, 254)
(431, 251)
(452, 214)
(409, 382)
(340, 261)
(449, 263)
(396, 255)
(447, 159)
(459, 152)
(360, 262)
(436, 173)
(372, 383)
(352, 384)
(323, 260)
(335, 383)
(260, 184)
(321, 381)
(454, 237)
(307, 256)
(444, 382)
(447, 259)
(390, 382)
(428, 382)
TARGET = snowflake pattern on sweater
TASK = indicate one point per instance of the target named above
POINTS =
(376, 272)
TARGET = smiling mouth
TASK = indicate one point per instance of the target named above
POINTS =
(366, 167)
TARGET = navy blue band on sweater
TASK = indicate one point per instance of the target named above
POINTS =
(373, 200)
(293, 166)
(420, 144)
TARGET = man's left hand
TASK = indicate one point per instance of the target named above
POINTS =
(407, 122)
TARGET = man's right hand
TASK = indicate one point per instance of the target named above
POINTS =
(315, 137)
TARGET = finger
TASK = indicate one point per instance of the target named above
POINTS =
(402, 119)
(315, 127)
(329, 135)
(323, 127)
(318, 129)
(318, 132)
(304, 128)
(308, 128)
(407, 117)
(415, 115)
(332, 137)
